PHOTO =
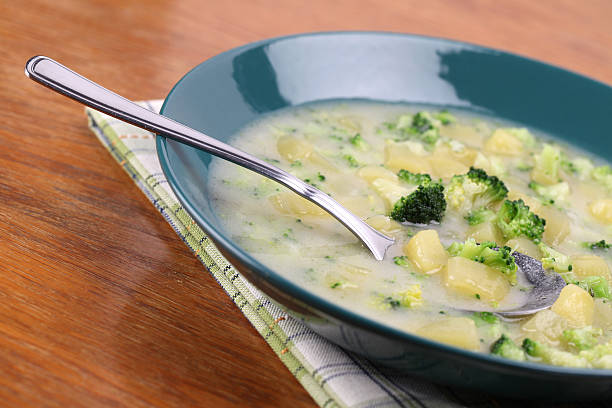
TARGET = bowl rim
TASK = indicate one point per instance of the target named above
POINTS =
(318, 302)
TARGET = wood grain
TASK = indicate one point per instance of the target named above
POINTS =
(101, 304)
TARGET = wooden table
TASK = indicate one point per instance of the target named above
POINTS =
(94, 313)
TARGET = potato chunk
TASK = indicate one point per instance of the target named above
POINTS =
(590, 265)
(486, 231)
(445, 167)
(400, 156)
(472, 278)
(371, 173)
(293, 148)
(602, 210)
(557, 225)
(545, 326)
(456, 331)
(525, 246)
(291, 203)
(390, 191)
(575, 305)
(425, 251)
(504, 142)
(384, 224)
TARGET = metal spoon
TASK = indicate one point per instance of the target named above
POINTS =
(67, 82)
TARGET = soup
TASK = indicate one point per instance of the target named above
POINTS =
(460, 194)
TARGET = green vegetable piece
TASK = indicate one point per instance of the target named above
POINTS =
(359, 142)
(603, 245)
(445, 117)
(479, 216)
(548, 161)
(401, 260)
(597, 286)
(352, 162)
(603, 175)
(515, 219)
(506, 348)
(422, 206)
(414, 178)
(581, 339)
(554, 260)
(555, 192)
(500, 259)
(485, 317)
(553, 356)
(474, 190)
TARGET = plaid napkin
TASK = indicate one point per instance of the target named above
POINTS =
(332, 376)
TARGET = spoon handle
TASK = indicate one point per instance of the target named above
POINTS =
(67, 82)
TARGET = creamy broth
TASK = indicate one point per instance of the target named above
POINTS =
(346, 149)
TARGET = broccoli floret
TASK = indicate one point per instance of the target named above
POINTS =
(506, 348)
(522, 134)
(479, 216)
(485, 317)
(422, 126)
(414, 178)
(581, 339)
(603, 175)
(489, 321)
(555, 192)
(422, 206)
(474, 190)
(514, 219)
(603, 245)
(553, 356)
(500, 259)
(358, 142)
(547, 162)
(445, 117)
(552, 259)
(597, 286)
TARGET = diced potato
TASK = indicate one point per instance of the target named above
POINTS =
(291, 203)
(533, 204)
(426, 252)
(466, 156)
(603, 314)
(390, 191)
(590, 265)
(557, 225)
(575, 305)
(321, 162)
(545, 326)
(384, 224)
(486, 231)
(525, 246)
(371, 173)
(398, 156)
(293, 148)
(456, 331)
(468, 135)
(602, 210)
(363, 206)
(472, 278)
(445, 167)
(503, 142)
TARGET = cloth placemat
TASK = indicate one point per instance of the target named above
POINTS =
(331, 375)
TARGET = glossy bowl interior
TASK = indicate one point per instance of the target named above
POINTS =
(226, 92)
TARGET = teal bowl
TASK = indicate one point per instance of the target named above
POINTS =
(226, 92)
